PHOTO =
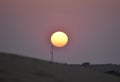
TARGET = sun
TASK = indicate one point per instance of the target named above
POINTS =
(59, 39)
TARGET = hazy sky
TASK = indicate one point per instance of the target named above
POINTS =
(93, 27)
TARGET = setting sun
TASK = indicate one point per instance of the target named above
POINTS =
(59, 39)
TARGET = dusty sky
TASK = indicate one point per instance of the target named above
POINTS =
(93, 27)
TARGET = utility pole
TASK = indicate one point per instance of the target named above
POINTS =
(52, 53)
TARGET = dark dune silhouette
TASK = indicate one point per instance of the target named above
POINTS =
(15, 68)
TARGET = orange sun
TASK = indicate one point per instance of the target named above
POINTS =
(59, 39)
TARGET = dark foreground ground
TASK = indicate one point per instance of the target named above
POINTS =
(14, 68)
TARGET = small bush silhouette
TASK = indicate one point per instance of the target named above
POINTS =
(113, 72)
(86, 64)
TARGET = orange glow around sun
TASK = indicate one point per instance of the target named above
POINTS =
(59, 39)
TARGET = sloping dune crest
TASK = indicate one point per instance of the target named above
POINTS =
(15, 68)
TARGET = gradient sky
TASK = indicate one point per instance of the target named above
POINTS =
(93, 27)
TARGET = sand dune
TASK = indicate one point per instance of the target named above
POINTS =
(14, 68)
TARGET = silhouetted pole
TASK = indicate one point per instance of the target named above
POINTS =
(52, 53)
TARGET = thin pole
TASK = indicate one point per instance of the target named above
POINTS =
(52, 53)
